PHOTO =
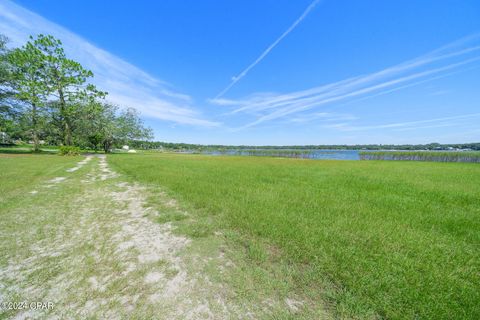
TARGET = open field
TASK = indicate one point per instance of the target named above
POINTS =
(175, 236)
(373, 239)
(82, 237)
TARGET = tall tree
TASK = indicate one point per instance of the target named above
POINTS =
(4, 68)
(130, 127)
(7, 113)
(67, 81)
(29, 84)
(94, 123)
(58, 102)
(104, 124)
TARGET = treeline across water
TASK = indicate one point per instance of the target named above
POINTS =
(146, 145)
(288, 153)
(438, 156)
(304, 154)
(276, 153)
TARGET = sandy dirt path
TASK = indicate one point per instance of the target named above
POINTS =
(108, 259)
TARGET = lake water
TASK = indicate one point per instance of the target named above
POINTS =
(286, 153)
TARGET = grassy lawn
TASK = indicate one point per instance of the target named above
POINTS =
(19, 173)
(388, 239)
(91, 244)
(27, 219)
(21, 213)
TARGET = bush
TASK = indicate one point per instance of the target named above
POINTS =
(69, 151)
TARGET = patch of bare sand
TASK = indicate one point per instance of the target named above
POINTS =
(53, 182)
(80, 164)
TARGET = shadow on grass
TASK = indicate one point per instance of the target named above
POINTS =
(11, 150)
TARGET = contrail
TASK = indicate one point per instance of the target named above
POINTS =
(270, 48)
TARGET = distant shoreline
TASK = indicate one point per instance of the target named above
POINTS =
(471, 146)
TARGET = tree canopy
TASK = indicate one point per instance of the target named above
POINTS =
(45, 97)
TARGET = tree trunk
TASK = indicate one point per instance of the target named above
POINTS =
(36, 144)
(106, 146)
(68, 134)
(66, 129)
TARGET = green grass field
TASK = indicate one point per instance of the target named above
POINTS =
(90, 243)
(376, 239)
(18, 173)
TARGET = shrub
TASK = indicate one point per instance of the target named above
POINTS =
(69, 151)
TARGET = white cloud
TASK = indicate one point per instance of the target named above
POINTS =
(436, 64)
(126, 84)
(410, 125)
(321, 117)
(242, 74)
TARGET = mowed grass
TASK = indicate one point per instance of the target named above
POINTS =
(19, 173)
(375, 239)
(19, 176)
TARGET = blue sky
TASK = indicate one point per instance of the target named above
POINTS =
(275, 71)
